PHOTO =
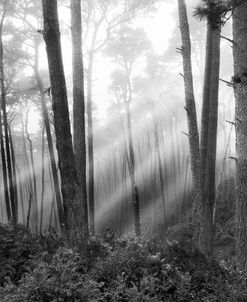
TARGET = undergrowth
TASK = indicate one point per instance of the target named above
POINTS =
(40, 268)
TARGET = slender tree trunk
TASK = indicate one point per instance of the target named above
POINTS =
(90, 147)
(240, 90)
(42, 181)
(191, 119)
(29, 210)
(5, 176)
(14, 171)
(79, 103)
(71, 192)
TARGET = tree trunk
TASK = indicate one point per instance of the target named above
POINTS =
(42, 181)
(79, 103)
(209, 136)
(192, 119)
(240, 90)
(90, 147)
(71, 192)
(14, 171)
(5, 177)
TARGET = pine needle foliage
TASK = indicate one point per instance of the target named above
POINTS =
(216, 12)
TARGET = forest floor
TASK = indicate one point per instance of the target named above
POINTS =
(40, 268)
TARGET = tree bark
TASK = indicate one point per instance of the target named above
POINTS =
(191, 119)
(240, 91)
(12, 149)
(71, 192)
(79, 103)
(209, 136)
(5, 177)
(42, 181)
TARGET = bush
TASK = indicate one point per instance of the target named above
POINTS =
(18, 250)
(122, 269)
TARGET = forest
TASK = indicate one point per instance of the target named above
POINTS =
(123, 145)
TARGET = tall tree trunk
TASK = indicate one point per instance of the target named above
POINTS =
(49, 141)
(79, 104)
(240, 90)
(90, 147)
(209, 135)
(5, 126)
(191, 119)
(42, 181)
(14, 171)
(71, 191)
(5, 176)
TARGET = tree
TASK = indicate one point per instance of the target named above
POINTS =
(71, 191)
(79, 102)
(203, 163)
(209, 124)
(240, 91)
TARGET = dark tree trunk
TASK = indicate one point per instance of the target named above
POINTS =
(240, 90)
(42, 181)
(5, 176)
(72, 196)
(14, 171)
(209, 136)
(79, 103)
(192, 119)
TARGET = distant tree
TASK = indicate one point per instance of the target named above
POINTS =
(103, 17)
(125, 47)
